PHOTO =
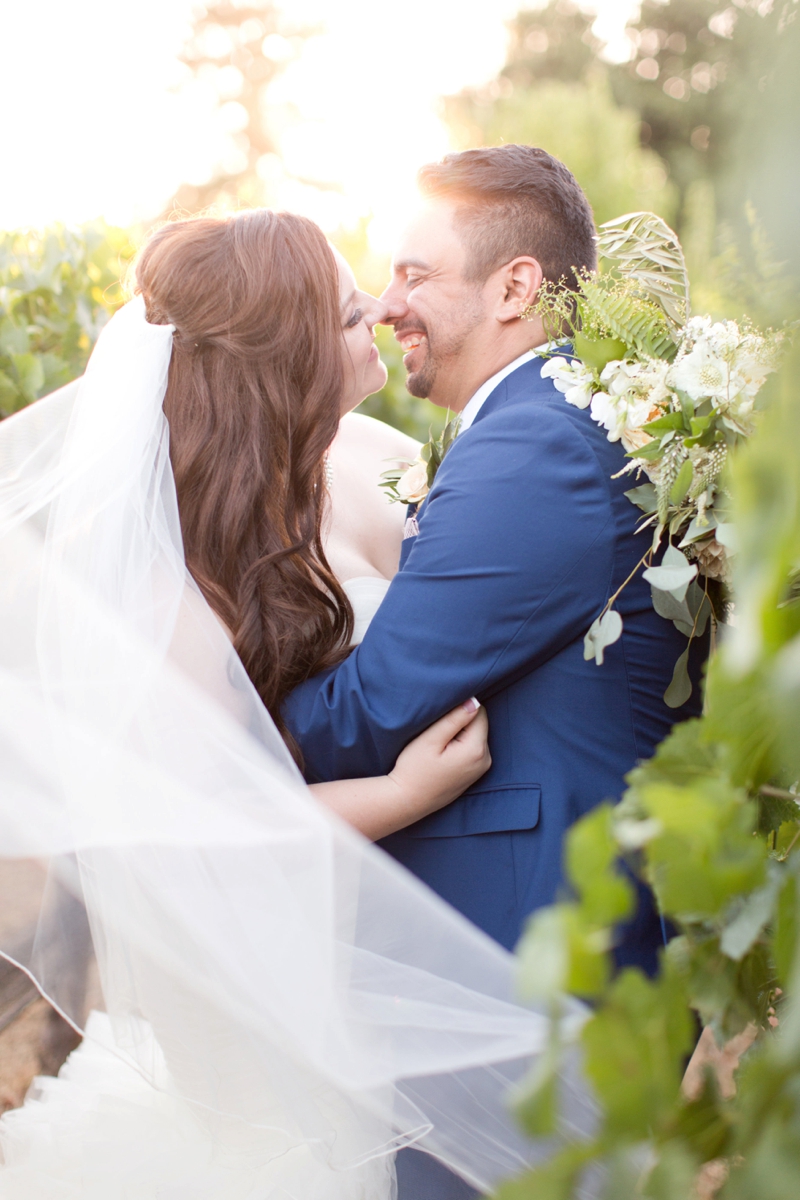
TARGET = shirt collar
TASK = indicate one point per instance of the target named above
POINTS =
(474, 406)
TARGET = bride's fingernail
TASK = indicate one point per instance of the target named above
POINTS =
(472, 705)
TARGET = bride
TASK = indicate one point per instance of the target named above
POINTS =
(276, 1006)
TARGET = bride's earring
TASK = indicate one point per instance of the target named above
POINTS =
(528, 312)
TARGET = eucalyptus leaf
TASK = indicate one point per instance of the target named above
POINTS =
(726, 536)
(680, 689)
(674, 575)
(699, 527)
(696, 610)
(603, 632)
(699, 606)
(676, 521)
(644, 497)
(672, 609)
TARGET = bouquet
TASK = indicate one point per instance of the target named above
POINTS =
(679, 392)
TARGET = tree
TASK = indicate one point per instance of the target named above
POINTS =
(583, 126)
(240, 48)
(693, 64)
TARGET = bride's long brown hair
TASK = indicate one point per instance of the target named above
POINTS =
(252, 403)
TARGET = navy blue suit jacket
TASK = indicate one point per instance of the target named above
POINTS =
(522, 539)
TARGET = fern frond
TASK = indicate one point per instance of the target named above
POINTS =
(643, 248)
(617, 308)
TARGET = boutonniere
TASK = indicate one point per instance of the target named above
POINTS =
(409, 483)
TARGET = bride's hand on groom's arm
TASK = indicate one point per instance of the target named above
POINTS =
(430, 773)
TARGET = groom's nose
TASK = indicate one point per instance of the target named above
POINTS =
(396, 307)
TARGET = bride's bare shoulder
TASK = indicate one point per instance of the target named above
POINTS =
(370, 436)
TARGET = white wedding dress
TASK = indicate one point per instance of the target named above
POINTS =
(283, 1006)
(103, 1131)
(365, 593)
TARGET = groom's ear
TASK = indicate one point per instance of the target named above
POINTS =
(518, 287)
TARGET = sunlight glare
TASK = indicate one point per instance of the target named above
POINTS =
(108, 122)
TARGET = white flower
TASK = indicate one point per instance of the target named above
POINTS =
(702, 373)
(725, 338)
(572, 378)
(725, 365)
(634, 396)
(412, 486)
(753, 369)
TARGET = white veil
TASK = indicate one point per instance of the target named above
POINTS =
(161, 859)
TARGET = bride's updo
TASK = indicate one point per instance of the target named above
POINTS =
(252, 402)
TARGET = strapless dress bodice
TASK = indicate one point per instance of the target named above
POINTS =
(365, 593)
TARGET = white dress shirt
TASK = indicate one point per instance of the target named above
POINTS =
(474, 406)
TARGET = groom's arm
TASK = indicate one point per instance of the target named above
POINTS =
(512, 562)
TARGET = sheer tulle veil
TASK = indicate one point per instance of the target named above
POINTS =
(162, 859)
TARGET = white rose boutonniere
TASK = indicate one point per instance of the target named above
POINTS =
(409, 483)
(412, 486)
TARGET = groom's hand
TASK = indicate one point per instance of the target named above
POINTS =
(443, 762)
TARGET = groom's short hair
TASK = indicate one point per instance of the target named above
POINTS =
(516, 201)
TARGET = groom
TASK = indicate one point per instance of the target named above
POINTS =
(521, 541)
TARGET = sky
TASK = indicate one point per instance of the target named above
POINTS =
(101, 120)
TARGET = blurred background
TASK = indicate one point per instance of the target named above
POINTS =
(127, 113)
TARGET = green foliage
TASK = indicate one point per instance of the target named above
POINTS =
(645, 249)
(712, 824)
(620, 310)
(679, 123)
(693, 67)
(59, 287)
(712, 821)
(581, 124)
(57, 290)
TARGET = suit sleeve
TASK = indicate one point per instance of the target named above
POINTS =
(512, 562)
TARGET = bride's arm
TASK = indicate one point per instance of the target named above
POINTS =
(431, 772)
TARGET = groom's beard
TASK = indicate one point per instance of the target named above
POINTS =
(422, 381)
(440, 350)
